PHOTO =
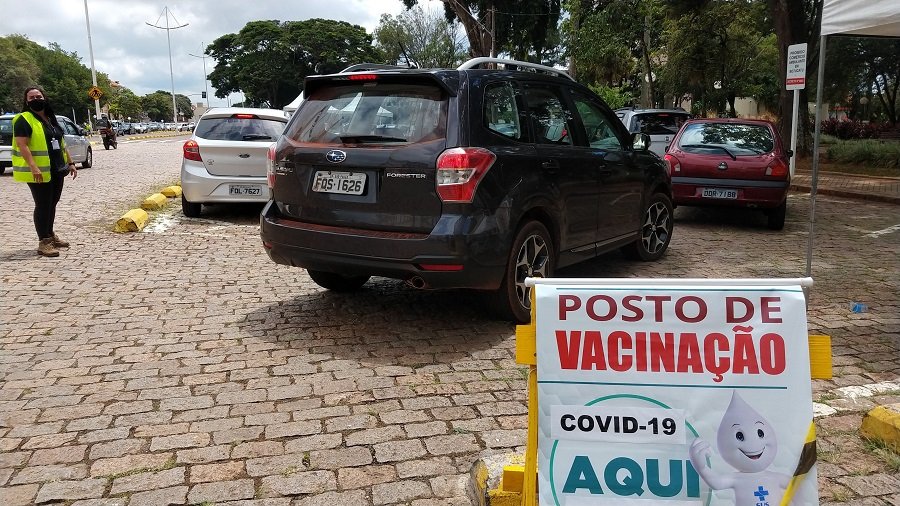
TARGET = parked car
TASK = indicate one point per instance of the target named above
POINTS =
(660, 124)
(225, 158)
(459, 178)
(77, 142)
(731, 163)
(6, 140)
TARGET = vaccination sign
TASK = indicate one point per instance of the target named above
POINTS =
(673, 394)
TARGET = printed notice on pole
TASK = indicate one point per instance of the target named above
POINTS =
(796, 67)
(673, 395)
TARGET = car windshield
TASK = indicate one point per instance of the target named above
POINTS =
(384, 113)
(239, 127)
(657, 123)
(737, 138)
(6, 126)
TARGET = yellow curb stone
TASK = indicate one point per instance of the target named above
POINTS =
(883, 424)
(172, 191)
(132, 221)
(155, 201)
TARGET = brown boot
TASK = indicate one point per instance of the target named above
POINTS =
(47, 249)
(59, 243)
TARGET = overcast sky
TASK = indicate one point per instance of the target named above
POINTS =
(136, 55)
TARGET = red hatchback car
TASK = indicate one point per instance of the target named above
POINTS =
(731, 163)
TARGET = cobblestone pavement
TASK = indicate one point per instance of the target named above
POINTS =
(181, 366)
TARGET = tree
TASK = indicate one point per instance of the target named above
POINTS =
(795, 22)
(268, 60)
(724, 51)
(125, 104)
(523, 27)
(158, 105)
(420, 39)
(863, 67)
(613, 39)
(60, 73)
(18, 70)
(185, 107)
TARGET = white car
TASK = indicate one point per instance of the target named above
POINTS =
(77, 142)
(6, 140)
(660, 124)
(225, 158)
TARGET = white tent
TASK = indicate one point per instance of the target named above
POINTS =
(293, 106)
(878, 18)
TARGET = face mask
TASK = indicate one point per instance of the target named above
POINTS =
(37, 104)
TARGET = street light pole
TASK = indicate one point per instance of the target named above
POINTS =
(87, 19)
(205, 76)
(169, 40)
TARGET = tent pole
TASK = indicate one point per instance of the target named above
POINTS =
(820, 84)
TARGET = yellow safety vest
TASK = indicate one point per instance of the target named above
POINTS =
(37, 144)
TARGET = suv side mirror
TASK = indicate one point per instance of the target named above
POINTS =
(789, 153)
(640, 142)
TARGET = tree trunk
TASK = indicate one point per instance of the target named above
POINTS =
(479, 39)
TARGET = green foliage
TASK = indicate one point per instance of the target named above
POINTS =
(17, 71)
(268, 60)
(872, 152)
(420, 39)
(722, 51)
(158, 105)
(613, 96)
(859, 67)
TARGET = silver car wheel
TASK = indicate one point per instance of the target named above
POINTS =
(655, 230)
(533, 260)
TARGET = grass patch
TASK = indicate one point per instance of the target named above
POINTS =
(881, 154)
(883, 452)
(842, 495)
(459, 430)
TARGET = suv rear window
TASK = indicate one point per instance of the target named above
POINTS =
(657, 123)
(736, 138)
(371, 113)
(239, 128)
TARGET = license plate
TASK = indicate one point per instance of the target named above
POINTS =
(244, 189)
(347, 183)
(719, 193)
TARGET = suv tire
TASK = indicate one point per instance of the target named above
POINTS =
(532, 255)
(88, 159)
(657, 222)
(190, 209)
(336, 282)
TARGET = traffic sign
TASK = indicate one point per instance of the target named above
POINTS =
(796, 67)
(95, 93)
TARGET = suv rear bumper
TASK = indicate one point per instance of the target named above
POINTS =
(475, 245)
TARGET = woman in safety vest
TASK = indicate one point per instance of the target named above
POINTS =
(40, 158)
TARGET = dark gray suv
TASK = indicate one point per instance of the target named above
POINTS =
(463, 178)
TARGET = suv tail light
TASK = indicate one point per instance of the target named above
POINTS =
(270, 167)
(673, 164)
(459, 170)
(777, 168)
(192, 151)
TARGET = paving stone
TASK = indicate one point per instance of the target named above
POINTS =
(454, 444)
(130, 463)
(162, 497)
(399, 491)
(71, 490)
(349, 498)
(366, 476)
(216, 472)
(290, 429)
(61, 455)
(257, 449)
(203, 455)
(277, 464)
(221, 491)
(317, 442)
(377, 435)
(309, 482)
(392, 451)
(425, 467)
(340, 457)
(117, 448)
(38, 474)
(191, 440)
(22, 495)
(148, 481)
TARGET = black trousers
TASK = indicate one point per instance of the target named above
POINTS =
(46, 196)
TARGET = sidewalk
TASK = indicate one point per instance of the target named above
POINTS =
(881, 189)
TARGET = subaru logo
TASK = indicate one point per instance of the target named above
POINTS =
(335, 156)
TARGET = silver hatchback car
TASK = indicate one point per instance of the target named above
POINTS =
(225, 158)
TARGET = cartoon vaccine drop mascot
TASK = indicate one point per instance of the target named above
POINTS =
(747, 442)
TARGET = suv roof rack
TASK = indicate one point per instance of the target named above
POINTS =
(512, 65)
(371, 66)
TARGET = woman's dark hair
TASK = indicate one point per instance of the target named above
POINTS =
(47, 109)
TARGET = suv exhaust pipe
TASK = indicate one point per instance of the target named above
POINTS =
(417, 282)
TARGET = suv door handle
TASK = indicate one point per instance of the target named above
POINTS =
(550, 165)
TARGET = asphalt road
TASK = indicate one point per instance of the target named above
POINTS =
(180, 366)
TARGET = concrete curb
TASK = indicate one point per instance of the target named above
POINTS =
(143, 136)
(847, 194)
(136, 219)
(883, 424)
(486, 487)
